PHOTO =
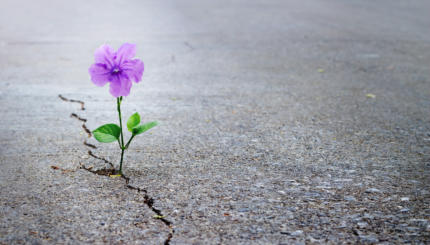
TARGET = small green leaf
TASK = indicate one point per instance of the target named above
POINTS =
(107, 133)
(133, 121)
(144, 127)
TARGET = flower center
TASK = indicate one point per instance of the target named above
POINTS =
(116, 70)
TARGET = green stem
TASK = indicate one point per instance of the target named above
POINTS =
(129, 141)
(120, 163)
(118, 102)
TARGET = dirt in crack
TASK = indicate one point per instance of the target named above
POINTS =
(149, 201)
(78, 117)
(73, 101)
(103, 171)
(100, 158)
(89, 145)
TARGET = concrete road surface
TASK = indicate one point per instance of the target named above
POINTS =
(281, 122)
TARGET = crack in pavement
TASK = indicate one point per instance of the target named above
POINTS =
(78, 117)
(89, 145)
(100, 158)
(73, 101)
(149, 201)
(86, 130)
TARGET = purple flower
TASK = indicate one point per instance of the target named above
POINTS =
(118, 68)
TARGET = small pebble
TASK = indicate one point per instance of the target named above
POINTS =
(362, 225)
(412, 229)
(419, 222)
(373, 190)
(342, 224)
(312, 240)
(369, 239)
(297, 233)
(350, 198)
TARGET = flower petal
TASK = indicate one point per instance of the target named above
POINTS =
(99, 74)
(126, 52)
(105, 55)
(133, 69)
(120, 85)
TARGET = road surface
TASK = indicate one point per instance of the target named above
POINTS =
(281, 122)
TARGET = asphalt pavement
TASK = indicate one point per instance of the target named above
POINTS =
(280, 122)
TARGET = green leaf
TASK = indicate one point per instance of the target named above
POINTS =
(133, 121)
(107, 133)
(144, 127)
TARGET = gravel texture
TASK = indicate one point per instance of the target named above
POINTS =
(281, 122)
